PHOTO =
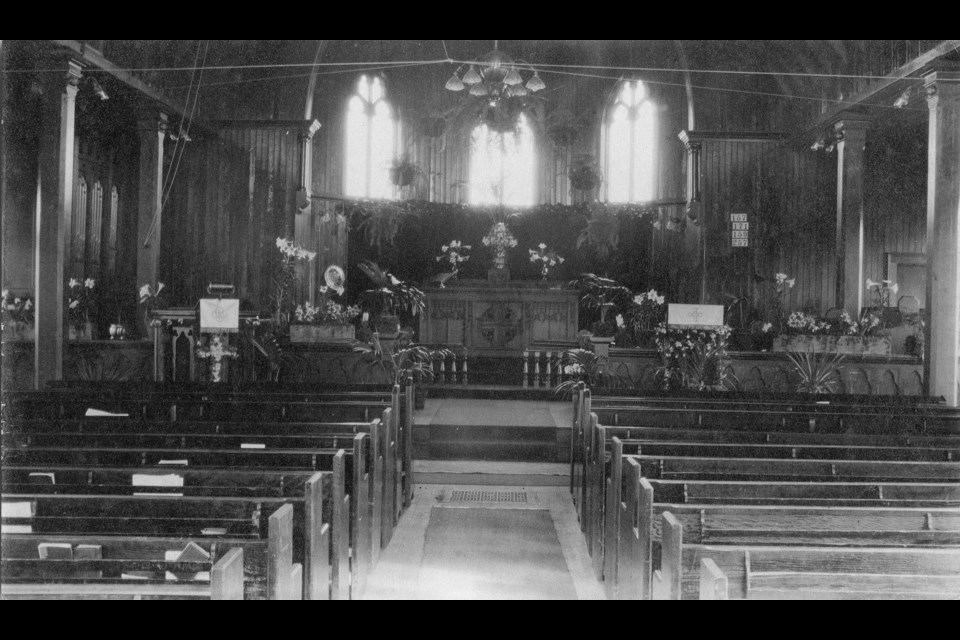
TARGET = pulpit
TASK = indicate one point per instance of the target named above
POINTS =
(499, 321)
(175, 336)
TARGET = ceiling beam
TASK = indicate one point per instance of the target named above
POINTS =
(94, 58)
(888, 86)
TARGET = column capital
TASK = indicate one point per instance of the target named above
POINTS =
(152, 122)
(849, 123)
(942, 83)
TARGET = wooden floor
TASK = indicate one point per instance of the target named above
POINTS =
(506, 542)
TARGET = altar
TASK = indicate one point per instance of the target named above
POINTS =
(499, 320)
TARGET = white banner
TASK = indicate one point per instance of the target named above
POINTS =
(695, 316)
(219, 315)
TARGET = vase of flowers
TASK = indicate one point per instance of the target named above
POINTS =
(500, 240)
(545, 259)
(18, 315)
(151, 299)
(285, 279)
(646, 311)
(454, 254)
(79, 308)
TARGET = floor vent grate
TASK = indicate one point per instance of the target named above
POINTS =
(513, 497)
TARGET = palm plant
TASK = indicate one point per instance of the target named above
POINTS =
(402, 361)
(818, 372)
(390, 295)
(705, 368)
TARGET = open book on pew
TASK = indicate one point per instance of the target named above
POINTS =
(17, 511)
(190, 553)
(99, 413)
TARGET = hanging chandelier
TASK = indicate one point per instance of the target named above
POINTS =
(496, 75)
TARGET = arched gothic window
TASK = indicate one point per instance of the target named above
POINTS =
(631, 145)
(502, 166)
(371, 141)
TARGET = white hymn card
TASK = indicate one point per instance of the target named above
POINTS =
(219, 315)
(695, 316)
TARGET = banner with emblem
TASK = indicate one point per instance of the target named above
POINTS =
(219, 315)
(695, 316)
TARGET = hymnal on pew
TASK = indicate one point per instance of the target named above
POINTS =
(193, 553)
(213, 531)
(252, 445)
(55, 551)
(42, 478)
(88, 552)
(174, 463)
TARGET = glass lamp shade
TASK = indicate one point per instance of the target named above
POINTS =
(536, 84)
(472, 77)
(479, 90)
(518, 91)
(454, 83)
(512, 78)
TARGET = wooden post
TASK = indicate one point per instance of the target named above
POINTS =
(671, 563)
(611, 527)
(852, 134)
(152, 129)
(317, 556)
(340, 531)
(54, 218)
(713, 582)
(280, 554)
(943, 235)
(226, 577)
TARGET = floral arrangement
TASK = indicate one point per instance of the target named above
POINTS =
(647, 311)
(327, 312)
(455, 254)
(781, 284)
(693, 358)
(581, 365)
(150, 300)
(547, 259)
(500, 238)
(16, 309)
(214, 349)
(285, 278)
(801, 323)
(80, 301)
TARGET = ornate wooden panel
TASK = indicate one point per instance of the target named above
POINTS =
(499, 321)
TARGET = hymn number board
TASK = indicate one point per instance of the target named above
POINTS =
(739, 230)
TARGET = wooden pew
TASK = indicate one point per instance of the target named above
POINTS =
(213, 437)
(32, 579)
(221, 405)
(351, 521)
(631, 532)
(268, 570)
(778, 572)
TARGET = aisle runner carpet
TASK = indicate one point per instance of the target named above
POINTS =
(494, 554)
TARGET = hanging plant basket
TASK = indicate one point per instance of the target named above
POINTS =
(585, 179)
(403, 176)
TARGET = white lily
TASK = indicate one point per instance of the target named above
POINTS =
(88, 283)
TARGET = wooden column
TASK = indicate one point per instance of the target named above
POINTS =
(852, 138)
(54, 216)
(152, 129)
(943, 235)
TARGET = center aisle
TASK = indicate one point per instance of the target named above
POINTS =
(486, 543)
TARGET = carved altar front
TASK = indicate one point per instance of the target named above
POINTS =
(499, 321)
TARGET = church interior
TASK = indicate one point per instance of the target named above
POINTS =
(480, 319)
